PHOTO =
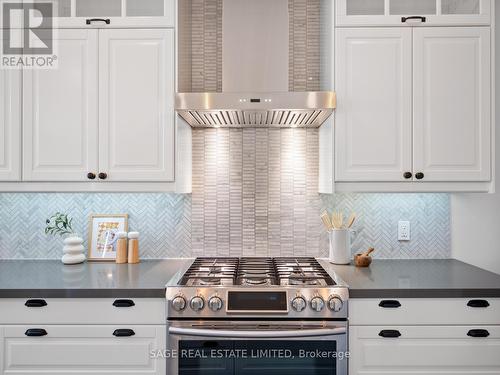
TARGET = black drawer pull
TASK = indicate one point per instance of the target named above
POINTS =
(478, 333)
(35, 332)
(35, 303)
(478, 303)
(404, 19)
(123, 303)
(389, 304)
(123, 333)
(105, 20)
(389, 333)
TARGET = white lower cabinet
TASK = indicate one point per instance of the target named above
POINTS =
(424, 336)
(71, 349)
(428, 350)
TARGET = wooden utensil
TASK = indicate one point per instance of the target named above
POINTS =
(363, 259)
(351, 220)
(337, 220)
(326, 221)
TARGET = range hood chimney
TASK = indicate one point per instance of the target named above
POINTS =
(257, 50)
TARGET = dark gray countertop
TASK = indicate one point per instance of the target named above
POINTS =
(52, 279)
(443, 278)
(384, 279)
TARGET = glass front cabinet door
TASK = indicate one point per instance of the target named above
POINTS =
(413, 13)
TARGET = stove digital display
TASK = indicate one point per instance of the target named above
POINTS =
(238, 301)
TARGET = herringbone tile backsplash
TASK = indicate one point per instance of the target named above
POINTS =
(164, 221)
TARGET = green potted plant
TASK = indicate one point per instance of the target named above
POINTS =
(61, 224)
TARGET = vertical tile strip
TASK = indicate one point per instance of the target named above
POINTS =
(198, 195)
(261, 191)
(274, 194)
(313, 206)
(286, 197)
(249, 192)
(210, 187)
(299, 191)
(236, 192)
(222, 193)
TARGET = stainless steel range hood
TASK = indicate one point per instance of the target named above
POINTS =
(235, 110)
(264, 58)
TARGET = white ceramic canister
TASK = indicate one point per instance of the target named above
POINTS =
(340, 246)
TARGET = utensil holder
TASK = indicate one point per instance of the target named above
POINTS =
(340, 246)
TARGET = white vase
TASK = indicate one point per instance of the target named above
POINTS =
(340, 246)
(73, 250)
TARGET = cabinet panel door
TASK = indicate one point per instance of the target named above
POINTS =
(136, 116)
(83, 350)
(423, 350)
(373, 117)
(60, 112)
(10, 125)
(452, 104)
(367, 13)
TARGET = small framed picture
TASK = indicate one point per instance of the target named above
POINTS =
(102, 236)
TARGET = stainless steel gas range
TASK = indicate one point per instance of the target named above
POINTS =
(263, 316)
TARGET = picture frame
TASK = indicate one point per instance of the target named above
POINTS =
(102, 236)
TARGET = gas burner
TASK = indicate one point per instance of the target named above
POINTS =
(256, 282)
(303, 282)
(210, 281)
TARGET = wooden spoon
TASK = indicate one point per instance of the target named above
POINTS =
(326, 221)
(351, 220)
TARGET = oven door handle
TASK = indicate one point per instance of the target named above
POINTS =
(256, 334)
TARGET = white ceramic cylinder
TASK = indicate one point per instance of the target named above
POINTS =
(340, 246)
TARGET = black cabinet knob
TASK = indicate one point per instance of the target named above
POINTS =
(103, 176)
(91, 176)
(408, 175)
(35, 303)
(123, 333)
(389, 333)
(123, 303)
(389, 304)
(478, 333)
(419, 176)
(89, 21)
(36, 332)
(419, 18)
(478, 303)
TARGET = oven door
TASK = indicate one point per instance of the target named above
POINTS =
(257, 347)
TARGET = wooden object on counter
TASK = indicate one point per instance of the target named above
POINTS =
(133, 247)
(326, 221)
(363, 259)
(121, 248)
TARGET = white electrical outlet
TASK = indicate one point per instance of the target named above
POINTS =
(404, 231)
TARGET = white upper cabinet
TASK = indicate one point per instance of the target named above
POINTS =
(373, 117)
(60, 112)
(10, 125)
(136, 90)
(113, 13)
(452, 99)
(413, 12)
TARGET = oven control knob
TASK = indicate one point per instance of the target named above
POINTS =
(215, 303)
(317, 304)
(299, 303)
(197, 303)
(179, 303)
(335, 303)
